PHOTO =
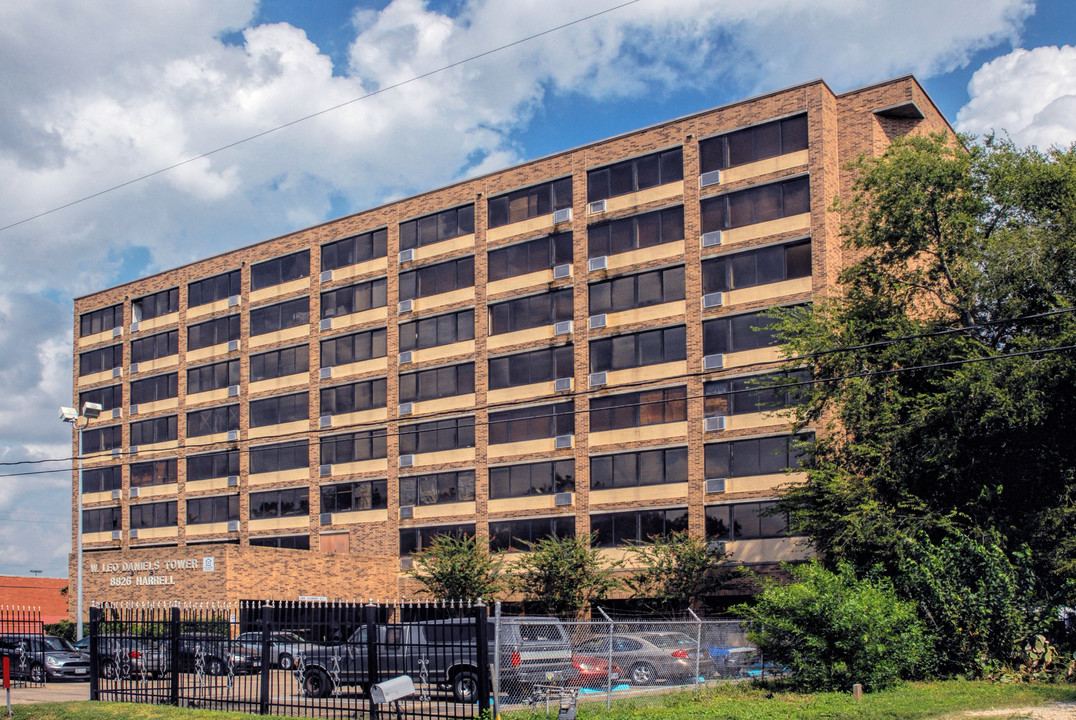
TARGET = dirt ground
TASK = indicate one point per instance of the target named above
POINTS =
(1053, 711)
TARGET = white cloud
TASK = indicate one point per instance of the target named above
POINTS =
(96, 93)
(1030, 94)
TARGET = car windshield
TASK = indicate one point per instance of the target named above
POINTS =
(540, 632)
(288, 637)
(668, 640)
(57, 643)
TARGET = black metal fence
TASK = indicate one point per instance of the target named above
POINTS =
(22, 643)
(297, 659)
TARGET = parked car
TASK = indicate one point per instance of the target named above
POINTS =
(284, 647)
(731, 660)
(40, 657)
(652, 656)
(214, 654)
(590, 670)
(127, 657)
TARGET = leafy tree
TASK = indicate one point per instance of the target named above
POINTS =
(678, 571)
(833, 630)
(563, 575)
(459, 568)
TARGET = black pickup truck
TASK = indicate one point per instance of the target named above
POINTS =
(440, 653)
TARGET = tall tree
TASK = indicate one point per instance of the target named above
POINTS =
(677, 571)
(563, 575)
(459, 568)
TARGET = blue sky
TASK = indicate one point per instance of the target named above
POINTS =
(95, 93)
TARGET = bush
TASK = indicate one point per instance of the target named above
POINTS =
(833, 630)
(64, 628)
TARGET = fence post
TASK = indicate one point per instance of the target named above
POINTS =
(482, 635)
(698, 644)
(95, 631)
(497, 659)
(173, 656)
(267, 616)
(373, 674)
(608, 662)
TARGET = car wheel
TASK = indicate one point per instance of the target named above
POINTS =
(316, 684)
(286, 661)
(214, 666)
(642, 674)
(37, 674)
(108, 669)
(465, 686)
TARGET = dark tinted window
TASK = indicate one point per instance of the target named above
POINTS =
(745, 521)
(213, 465)
(155, 346)
(100, 439)
(147, 432)
(757, 267)
(530, 202)
(353, 397)
(437, 435)
(285, 456)
(155, 305)
(279, 409)
(636, 174)
(536, 366)
(647, 407)
(280, 270)
(157, 472)
(436, 279)
(754, 456)
(354, 496)
(356, 347)
(520, 534)
(353, 447)
(437, 383)
(624, 528)
(214, 332)
(212, 421)
(413, 540)
(101, 520)
(438, 330)
(758, 393)
(213, 377)
(633, 469)
(286, 542)
(151, 515)
(104, 479)
(354, 298)
(439, 226)
(532, 423)
(736, 333)
(638, 231)
(97, 321)
(436, 488)
(280, 363)
(279, 503)
(650, 347)
(100, 360)
(530, 312)
(531, 256)
(212, 509)
(542, 478)
(211, 289)
(756, 204)
(280, 316)
(151, 389)
(354, 250)
(754, 143)
(107, 397)
(636, 291)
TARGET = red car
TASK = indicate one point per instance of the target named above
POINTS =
(590, 670)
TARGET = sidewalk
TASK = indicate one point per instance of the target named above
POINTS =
(52, 692)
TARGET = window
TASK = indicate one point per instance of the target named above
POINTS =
(758, 393)
(356, 347)
(527, 368)
(745, 521)
(214, 377)
(101, 520)
(212, 421)
(214, 332)
(153, 515)
(637, 291)
(221, 508)
(285, 456)
(439, 226)
(437, 383)
(413, 540)
(104, 479)
(650, 347)
(532, 423)
(756, 204)
(155, 430)
(634, 526)
(212, 465)
(530, 202)
(286, 542)
(436, 279)
(353, 496)
(158, 472)
(354, 447)
(637, 231)
(155, 305)
(281, 316)
(636, 174)
(101, 439)
(520, 534)
(354, 298)
(634, 469)
(211, 289)
(754, 143)
(757, 267)
(279, 409)
(756, 456)
(530, 312)
(292, 502)
(97, 321)
(280, 363)
(438, 330)
(736, 333)
(437, 435)
(155, 346)
(353, 397)
(544, 478)
(437, 488)
(647, 407)
(354, 250)
(531, 256)
(280, 270)
(151, 389)
(100, 360)
(108, 397)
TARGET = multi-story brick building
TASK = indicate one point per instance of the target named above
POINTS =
(564, 346)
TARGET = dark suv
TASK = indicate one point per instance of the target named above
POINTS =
(215, 655)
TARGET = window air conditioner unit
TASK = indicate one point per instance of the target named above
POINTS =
(407, 512)
(562, 384)
(406, 408)
(233, 435)
(405, 306)
(233, 391)
(562, 271)
(406, 563)
(714, 424)
(326, 518)
(562, 442)
(134, 326)
(325, 373)
(405, 357)
(233, 345)
(134, 533)
(233, 301)
(325, 470)
(710, 178)
(597, 263)
(598, 206)
(563, 328)
(325, 276)
(325, 421)
(597, 321)
(716, 546)
(233, 526)
(134, 368)
(407, 255)
(597, 379)
(134, 409)
(325, 324)
(407, 460)
(117, 534)
(233, 481)
(715, 486)
(134, 451)
(711, 239)
(116, 494)
(116, 412)
(562, 499)
(712, 300)
(117, 332)
(562, 215)
(116, 452)
(713, 362)
(117, 372)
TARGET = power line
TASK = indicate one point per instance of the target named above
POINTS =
(321, 112)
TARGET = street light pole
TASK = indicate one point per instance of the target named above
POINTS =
(79, 421)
